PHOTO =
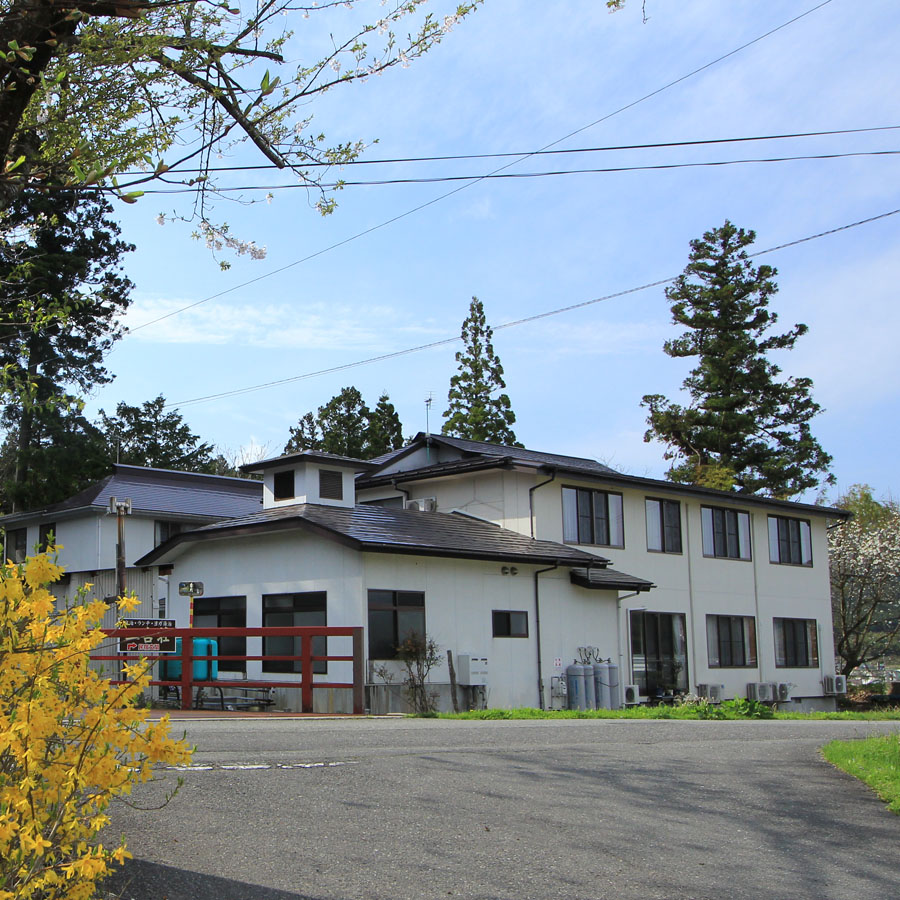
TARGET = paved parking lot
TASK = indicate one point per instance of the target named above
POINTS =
(397, 809)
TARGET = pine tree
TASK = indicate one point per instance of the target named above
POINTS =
(385, 432)
(477, 411)
(60, 312)
(146, 435)
(346, 426)
(745, 428)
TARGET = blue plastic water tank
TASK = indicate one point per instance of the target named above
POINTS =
(203, 669)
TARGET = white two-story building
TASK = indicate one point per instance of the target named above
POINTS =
(520, 558)
(498, 553)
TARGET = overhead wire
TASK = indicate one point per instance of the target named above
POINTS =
(654, 145)
(439, 179)
(462, 187)
(513, 324)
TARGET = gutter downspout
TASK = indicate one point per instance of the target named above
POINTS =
(403, 491)
(531, 491)
(537, 632)
(620, 627)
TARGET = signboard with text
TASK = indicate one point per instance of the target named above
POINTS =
(149, 642)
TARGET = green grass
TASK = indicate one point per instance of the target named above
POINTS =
(742, 710)
(874, 760)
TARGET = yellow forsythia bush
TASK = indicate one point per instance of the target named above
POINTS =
(70, 741)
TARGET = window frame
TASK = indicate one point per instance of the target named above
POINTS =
(659, 518)
(228, 646)
(15, 544)
(309, 602)
(716, 643)
(665, 633)
(45, 529)
(396, 608)
(504, 619)
(788, 645)
(780, 539)
(584, 516)
(712, 537)
(279, 480)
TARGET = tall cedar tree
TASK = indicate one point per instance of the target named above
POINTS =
(146, 435)
(745, 428)
(346, 426)
(477, 410)
(62, 300)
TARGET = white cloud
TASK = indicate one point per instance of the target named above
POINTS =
(312, 326)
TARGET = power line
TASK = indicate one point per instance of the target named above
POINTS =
(657, 145)
(513, 324)
(440, 179)
(456, 190)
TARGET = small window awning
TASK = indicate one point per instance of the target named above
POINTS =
(600, 579)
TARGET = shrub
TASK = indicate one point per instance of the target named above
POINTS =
(70, 741)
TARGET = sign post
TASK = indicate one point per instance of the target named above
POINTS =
(190, 589)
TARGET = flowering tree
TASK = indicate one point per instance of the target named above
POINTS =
(865, 580)
(90, 89)
(70, 741)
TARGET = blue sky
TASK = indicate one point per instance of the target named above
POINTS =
(516, 76)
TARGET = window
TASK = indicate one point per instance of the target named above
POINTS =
(290, 610)
(658, 652)
(796, 643)
(663, 526)
(393, 617)
(46, 536)
(731, 641)
(224, 612)
(510, 623)
(162, 531)
(16, 544)
(789, 541)
(331, 485)
(283, 485)
(592, 517)
(726, 532)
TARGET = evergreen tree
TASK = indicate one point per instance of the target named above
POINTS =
(146, 435)
(306, 436)
(62, 300)
(745, 428)
(477, 410)
(346, 426)
(384, 433)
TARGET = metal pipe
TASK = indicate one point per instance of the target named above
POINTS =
(537, 631)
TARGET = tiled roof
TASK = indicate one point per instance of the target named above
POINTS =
(380, 529)
(163, 492)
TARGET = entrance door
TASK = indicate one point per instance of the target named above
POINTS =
(659, 653)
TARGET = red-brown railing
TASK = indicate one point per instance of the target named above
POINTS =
(306, 684)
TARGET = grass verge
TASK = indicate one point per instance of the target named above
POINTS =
(743, 710)
(874, 760)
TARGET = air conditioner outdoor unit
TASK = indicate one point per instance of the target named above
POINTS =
(703, 690)
(784, 691)
(835, 684)
(715, 693)
(422, 504)
(633, 695)
(761, 691)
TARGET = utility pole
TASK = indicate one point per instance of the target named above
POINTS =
(120, 509)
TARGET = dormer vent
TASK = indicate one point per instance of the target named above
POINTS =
(331, 484)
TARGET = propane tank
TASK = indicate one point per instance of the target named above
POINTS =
(575, 686)
(590, 695)
(615, 701)
(601, 684)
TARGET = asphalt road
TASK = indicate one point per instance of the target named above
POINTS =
(403, 809)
